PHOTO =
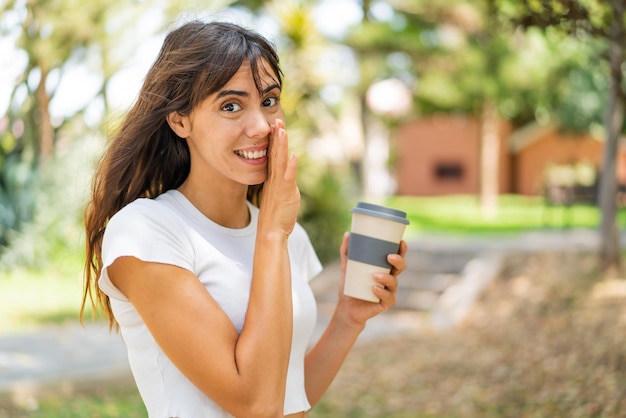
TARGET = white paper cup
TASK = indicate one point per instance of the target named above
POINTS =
(376, 232)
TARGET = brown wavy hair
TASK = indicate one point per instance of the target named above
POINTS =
(145, 157)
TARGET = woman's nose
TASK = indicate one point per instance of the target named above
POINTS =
(258, 125)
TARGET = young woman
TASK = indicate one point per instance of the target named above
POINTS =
(193, 248)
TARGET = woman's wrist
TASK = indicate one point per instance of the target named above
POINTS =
(346, 321)
(271, 236)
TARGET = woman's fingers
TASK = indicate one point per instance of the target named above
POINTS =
(387, 281)
(281, 162)
(278, 149)
(397, 261)
(285, 164)
(343, 249)
(386, 289)
(281, 197)
(387, 284)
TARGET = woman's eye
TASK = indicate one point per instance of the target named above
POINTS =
(270, 101)
(231, 107)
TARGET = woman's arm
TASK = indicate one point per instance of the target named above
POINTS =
(323, 362)
(245, 374)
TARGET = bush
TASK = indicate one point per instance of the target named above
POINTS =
(17, 195)
(325, 214)
(54, 234)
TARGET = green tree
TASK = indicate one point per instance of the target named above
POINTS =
(601, 22)
(464, 58)
(55, 36)
(324, 210)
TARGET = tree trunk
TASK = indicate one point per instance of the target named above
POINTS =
(489, 164)
(360, 165)
(609, 256)
(46, 131)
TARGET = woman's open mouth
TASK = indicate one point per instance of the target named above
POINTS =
(252, 155)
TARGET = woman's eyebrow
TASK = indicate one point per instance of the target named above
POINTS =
(270, 88)
(231, 93)
(242, 93)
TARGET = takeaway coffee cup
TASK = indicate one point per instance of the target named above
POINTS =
(376, 231)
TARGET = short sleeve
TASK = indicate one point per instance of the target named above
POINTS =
(309, 262)
(147, 231)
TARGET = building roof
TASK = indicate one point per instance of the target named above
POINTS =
(529, 134)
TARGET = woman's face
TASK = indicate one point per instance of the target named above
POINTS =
(228, 133)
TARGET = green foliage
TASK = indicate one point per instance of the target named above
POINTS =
(325, 215)
(464, 52)
(578, 34)
(324, 210)
(53, 235)
(385, 37)
(17, 196)
(55, 37)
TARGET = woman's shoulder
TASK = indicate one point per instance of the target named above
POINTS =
(145, 213)
(137, 211)
(146, 227)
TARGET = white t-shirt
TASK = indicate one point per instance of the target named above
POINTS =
(170, 230)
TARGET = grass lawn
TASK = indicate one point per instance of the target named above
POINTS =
(32, 298)
(461, 214)
(105, 402)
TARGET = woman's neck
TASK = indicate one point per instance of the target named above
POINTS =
(225, 206)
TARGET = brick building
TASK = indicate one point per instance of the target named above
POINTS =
(441, 155)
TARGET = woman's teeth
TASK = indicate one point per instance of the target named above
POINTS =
(252, 155)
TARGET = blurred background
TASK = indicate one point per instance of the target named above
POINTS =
(476, 117)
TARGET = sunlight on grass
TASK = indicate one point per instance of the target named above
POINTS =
(106, 402)
(31, 298)
(462, 214)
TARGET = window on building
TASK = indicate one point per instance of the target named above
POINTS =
(449, 171)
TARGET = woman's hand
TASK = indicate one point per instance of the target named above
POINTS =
(281, 197)
(359, 311)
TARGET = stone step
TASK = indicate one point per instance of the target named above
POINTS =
(416, 300)
(434, 282)
(427, 276)
(440, 263)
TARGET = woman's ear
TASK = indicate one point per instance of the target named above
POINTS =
(180, 124)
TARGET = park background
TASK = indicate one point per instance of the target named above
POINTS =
(358, 76)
